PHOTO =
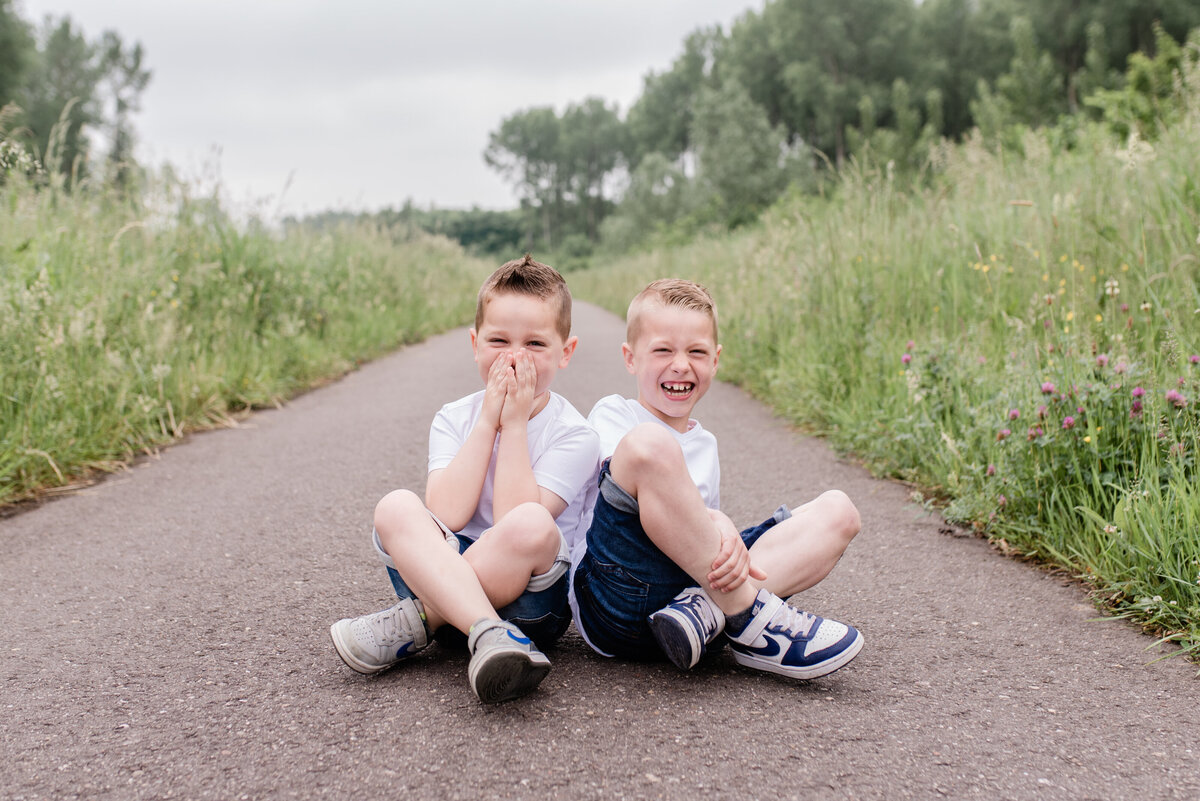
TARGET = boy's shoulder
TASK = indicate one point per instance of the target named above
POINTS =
(467, 403)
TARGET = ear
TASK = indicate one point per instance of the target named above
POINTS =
(568, 351)
(474, 340)
(716, 358)
(627, 352)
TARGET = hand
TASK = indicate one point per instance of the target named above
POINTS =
(732, 566)
(521, 386)
(496, 391)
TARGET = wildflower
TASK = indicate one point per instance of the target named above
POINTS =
(1068, 422)
(1049, 299)
(1070, 316)
(1145, 306)
(1013, 414)
(1175, 398)
(1121, 368)
(1001, 500)
(1110, 529)
(1003, 434)
(1099, 318)
(906, 358)
(1079, 410)
(1137, 392)
(910, 345)
(1047, 388)
(1102, 360)
(1194, 358)
(1087, 439)
(1178, 449)
(1042, 412)
(1135, 410)
(1124, 307)
(1034, 433)
(991, 469)
(1112, 288)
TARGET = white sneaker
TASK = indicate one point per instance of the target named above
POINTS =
(505, 664)
(781, 639)
(375, 642)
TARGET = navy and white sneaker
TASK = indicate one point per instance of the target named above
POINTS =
(684, 627)
(782, 639)
(504, 664)
(375, 642)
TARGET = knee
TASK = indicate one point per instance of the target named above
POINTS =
(395, 508)
(842, 514)
(648, 446)
(528, 529)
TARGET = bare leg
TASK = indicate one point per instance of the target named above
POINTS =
(523, 544)
(440, 577)
(800, 551)
(648, 464)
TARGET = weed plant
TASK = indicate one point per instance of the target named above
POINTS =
(127, 321)
(1019, 337)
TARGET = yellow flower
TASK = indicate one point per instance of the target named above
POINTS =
(1062, 258)
(1066, 329)
(1087, 439)
(1099, 318)
(1062, 282)
(1036, 254)
(992, 257)
(1045, 276)
(1070, 316)
(985, 267)
(1124, 268)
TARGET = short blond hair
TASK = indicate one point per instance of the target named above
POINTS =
(676, 292)
(525, 276)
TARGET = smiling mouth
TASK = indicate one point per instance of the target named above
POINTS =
(677, 389)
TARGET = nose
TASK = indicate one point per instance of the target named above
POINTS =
(679, 362)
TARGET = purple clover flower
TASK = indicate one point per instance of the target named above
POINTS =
(1137, 392)
(1047, 388)
(1174, 398)
(1068, 422)
(1013, 414)
(1003, 434)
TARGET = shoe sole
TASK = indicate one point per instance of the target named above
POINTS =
(838, 660)
(676, 639)
(507, 675)
(343, 650)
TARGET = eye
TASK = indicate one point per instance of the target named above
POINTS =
(699, 352)
(535, 344)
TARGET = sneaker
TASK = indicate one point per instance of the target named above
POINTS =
(375, 642)
(782, 639)
(504, 662)
(685, 626)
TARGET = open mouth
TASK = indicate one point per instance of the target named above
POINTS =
(677, 389)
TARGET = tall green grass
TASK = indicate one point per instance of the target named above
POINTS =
(1019, 339)
(124, 323)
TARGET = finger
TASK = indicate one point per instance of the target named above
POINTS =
(724, 553)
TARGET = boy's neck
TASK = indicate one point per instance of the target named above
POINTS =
(680, 424)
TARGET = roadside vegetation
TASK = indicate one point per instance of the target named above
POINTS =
(129, 319)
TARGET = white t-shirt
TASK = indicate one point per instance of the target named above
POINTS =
(562, 451)
(613, 416)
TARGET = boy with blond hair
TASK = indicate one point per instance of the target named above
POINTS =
(661, 570)
(483, 553)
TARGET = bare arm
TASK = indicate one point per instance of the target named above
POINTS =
(732, 565)
(453, 492)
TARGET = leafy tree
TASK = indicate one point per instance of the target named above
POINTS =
(61, 87)
(525, 151)
(741, 157)
(16, 49)
(1150, 96)
(126, 78)
(591, 142)
(1033, 86)
(660, 120)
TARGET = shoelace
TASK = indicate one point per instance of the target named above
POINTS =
(795, 622)
(389, 627)
(701, 610)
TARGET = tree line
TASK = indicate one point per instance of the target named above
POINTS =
(797, 89)
(58, 88)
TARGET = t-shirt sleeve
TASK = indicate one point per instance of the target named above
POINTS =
(612, 419)
(445, 439)
(570, 462)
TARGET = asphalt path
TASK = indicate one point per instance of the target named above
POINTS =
(164, 635)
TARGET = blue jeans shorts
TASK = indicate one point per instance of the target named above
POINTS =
(542, 612)
(624, 577)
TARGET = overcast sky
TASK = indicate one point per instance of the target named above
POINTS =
(361, 104)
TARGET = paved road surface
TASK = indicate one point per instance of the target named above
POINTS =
(164, 636)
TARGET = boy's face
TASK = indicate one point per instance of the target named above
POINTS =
(513, 321)
(674, 359)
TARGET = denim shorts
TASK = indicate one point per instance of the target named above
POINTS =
(624, 577)
(542, 612)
